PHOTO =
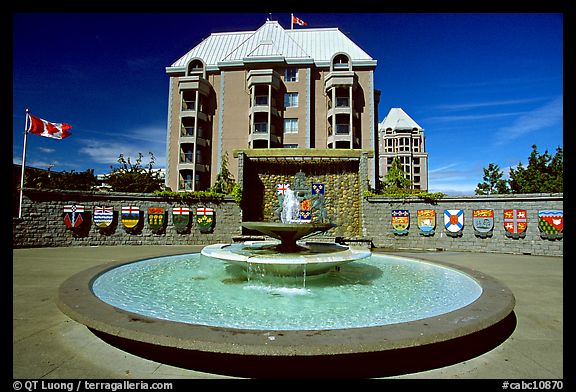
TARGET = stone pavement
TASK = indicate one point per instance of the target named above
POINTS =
(47, 344)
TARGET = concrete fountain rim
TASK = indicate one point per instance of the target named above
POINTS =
(76, 299)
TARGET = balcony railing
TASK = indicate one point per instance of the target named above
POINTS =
(261, 128)
(188, 105)
(342, 129)
(342, 102)
(261, 100)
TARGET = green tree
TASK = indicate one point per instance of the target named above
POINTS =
(493, 182)
(133, 177)
(224, 180)
(396, 177)
(72, 180)
(544, 173)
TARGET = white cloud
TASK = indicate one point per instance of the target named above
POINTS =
(546, 116)
(476, 105)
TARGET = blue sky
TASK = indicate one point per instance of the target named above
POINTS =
(485, 87)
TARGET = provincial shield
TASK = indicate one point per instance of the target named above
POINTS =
(454, 222)
(130, 216)
(515, 223)
(551, 224)
(103, 216)
(426, 222)
(305, 213)
(73, 215)
(181, 218)
(317, 189)
(156, 218)
(205, 219)
(483, 222)
(400, 221)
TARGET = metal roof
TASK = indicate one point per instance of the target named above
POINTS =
(398, 119)
(272, 42)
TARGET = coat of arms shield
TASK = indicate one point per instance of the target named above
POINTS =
(205, 219)
(103, 216)
(515, 223)
(551, 224)
(73, 215)
(483, 223)
(454, 222)
(156, 218)
(130, 216)
(181, 218)
(400, 221)
(426, 222)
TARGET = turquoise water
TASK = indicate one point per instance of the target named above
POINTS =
(378, 290)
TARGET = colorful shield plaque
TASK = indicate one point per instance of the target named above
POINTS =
(130, 216)
(103, 216)
(73, 215)
(483, 223)
(205, 219)
(515, 223)
(426, 222)
(551, 224)
(454, 222)
(156, 218)
(400, 221)
(181, 218)
(282, 188)
(317, 189)
(305, 213)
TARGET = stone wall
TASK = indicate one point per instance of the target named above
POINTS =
(42, 223)
(376, 221)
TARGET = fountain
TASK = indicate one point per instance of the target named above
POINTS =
(205, 312)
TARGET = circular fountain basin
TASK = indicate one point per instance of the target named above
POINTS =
(263, 257)
(339, 324)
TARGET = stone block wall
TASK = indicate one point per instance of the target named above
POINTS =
(42, 223)
(376, 223)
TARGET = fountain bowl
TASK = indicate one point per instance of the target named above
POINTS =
(288, 233)
(263, 256)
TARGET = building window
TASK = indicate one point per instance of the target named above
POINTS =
(291, 75)
(291, 100)
(290, 145)
(290, 125)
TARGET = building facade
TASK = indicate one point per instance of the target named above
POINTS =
(400, 136)
(269, 88)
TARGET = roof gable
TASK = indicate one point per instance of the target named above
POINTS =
(398, 119)
(272, 42)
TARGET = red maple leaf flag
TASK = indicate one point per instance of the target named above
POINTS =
(49, 129)
(298, 21)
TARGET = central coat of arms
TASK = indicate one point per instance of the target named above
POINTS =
(400, 221)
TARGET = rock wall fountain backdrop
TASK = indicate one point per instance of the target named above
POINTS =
(339, 177)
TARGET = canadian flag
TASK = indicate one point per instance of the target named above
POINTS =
(298, 21)
(45, 128)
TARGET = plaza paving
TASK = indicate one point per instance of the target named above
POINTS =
(48, 344)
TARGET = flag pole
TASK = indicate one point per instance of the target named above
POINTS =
(291, 21)
(23, 163)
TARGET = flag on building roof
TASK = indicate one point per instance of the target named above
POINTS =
(298, 21)
(49, 129)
